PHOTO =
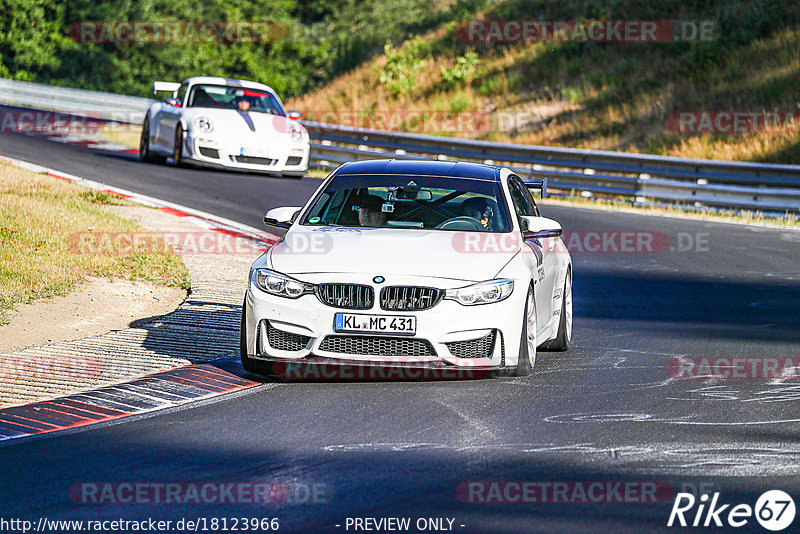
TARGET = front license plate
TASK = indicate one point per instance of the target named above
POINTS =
(254, 152)
(375, 324)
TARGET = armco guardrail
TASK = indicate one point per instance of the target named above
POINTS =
(759, 186)
(94, 104)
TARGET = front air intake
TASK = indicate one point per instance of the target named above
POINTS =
(281, 340)
(474, 348)
(377, 346)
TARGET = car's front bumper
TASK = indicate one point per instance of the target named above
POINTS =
(449, 330)
(282, 156)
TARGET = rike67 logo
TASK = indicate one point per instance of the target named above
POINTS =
(774, 510)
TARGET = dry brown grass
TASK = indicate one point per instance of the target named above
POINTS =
(616, 99)
(40, 217)
(126, 135)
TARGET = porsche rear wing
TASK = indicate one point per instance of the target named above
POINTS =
(538, 185)
(170, 87)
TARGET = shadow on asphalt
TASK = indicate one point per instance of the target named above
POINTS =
(691, 308)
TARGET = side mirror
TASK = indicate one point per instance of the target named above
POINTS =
(280, 219)
(294, 115)
(172, 101)
(539, 227)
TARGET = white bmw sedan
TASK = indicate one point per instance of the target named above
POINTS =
(421, 264)
(220, 122)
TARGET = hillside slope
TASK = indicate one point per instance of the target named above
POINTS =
(121, 47)
(588, 94)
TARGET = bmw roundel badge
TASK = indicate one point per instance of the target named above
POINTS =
(379, 279)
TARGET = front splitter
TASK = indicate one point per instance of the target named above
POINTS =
(315, 368)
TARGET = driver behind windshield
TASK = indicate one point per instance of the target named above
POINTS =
(242, 104)
(482, 209)
(370, 211)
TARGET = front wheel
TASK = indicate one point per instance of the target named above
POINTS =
(527, 342)
(564, 336)
(250, 364)
(177, 149)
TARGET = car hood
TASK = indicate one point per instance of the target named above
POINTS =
(379, 251)
(227, 120)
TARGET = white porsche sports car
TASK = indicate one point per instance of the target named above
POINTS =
(226, 123)
(413, 263)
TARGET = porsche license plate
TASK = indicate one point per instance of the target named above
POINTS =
(254, 152)
(375, 324)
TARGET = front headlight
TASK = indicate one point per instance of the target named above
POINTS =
(280, 284)
(482, 293)
(297, 134)
(204, 124)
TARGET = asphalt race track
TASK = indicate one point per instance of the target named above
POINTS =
(609, 410)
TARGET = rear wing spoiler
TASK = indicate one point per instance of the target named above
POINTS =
(538, 185)
(170, 87)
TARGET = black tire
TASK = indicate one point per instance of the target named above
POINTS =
(251, 365)
(564, 336)
(144, 146)
(177, 148)
(524, 366)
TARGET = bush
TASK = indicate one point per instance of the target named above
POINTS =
(462, 72)
(403, 65)
(322, 40)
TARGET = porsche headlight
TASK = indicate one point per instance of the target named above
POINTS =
(482, 293)
(280, 284)
(204, 124)
(297, 134)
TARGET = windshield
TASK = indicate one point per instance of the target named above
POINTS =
(231, 97)
(422, 202)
